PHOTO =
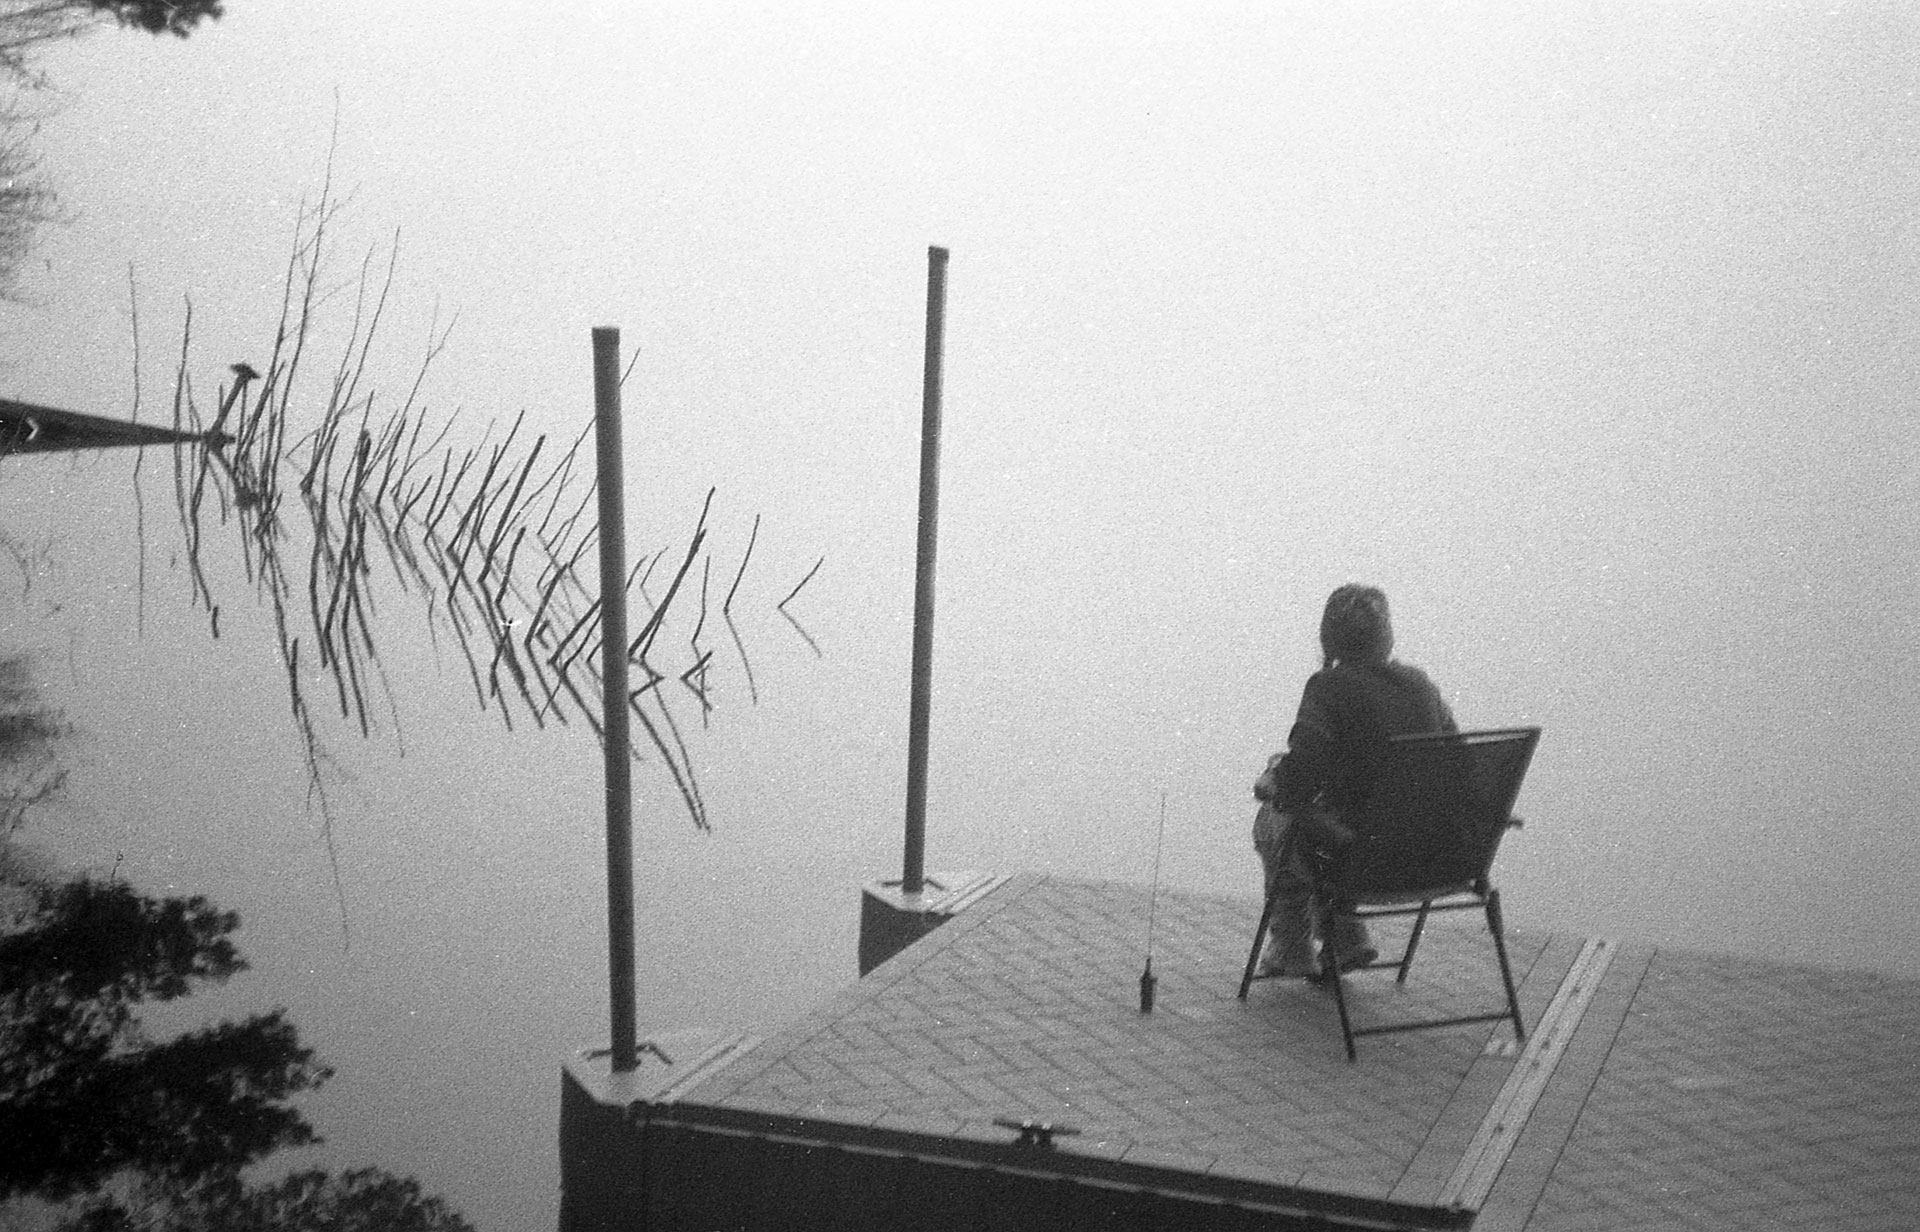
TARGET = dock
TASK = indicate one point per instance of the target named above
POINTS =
(998, 1072)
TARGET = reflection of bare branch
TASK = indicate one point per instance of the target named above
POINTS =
(689, 792)
(139, 457)
(741, 646)
(695, 679)
(489, 536)
(28, 560)
(804, 635)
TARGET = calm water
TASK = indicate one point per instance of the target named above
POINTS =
(1590, 344)
(472, 870)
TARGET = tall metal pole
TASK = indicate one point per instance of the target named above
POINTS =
(613, 671)
(913, 876)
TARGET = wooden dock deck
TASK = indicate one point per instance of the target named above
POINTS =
(1656, 1089)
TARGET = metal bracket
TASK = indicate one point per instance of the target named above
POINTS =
(642, 1046)
(1036, 1135)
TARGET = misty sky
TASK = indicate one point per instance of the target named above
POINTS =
(1586, 330)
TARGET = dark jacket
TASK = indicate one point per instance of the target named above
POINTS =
(1346, 715)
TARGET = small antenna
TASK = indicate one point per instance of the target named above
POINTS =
(1147, 980)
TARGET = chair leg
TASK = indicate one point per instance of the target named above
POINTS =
(1330, 973)
(1419, 927)
(1496, 926)
(1259, 937)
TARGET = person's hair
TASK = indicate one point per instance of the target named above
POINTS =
(1355, 625)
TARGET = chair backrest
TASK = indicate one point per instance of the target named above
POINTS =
(1437, 812)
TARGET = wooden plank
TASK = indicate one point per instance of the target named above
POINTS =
(1500, 1129)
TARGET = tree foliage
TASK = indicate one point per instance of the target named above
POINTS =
(177, 17)
(85, 1095)
(155, 1136)
(28, 25)
(29, 773)
(359, 1200)
(27, 201)
(129, 1133)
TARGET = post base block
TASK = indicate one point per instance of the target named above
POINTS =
(602, 1143)
(891, 920)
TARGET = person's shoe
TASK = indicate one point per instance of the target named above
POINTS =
(1277, 963)
(1353, 960)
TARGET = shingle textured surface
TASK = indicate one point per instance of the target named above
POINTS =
(1695, 1092)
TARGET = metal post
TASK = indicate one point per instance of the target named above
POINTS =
(913, 877)
(613, 671)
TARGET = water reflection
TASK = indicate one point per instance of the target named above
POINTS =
(488, 540)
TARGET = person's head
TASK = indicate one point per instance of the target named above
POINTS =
(1355, 626)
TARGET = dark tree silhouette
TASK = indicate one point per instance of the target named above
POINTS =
(130, 1132)
(84, 1094)
(178, 17)
(26, 200)
(152, 1135)
(361, 1200)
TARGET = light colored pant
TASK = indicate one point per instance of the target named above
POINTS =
(1291, 927)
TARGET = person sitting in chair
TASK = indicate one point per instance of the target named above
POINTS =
(1359, 698)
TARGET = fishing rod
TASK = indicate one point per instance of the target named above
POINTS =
(1147, 980)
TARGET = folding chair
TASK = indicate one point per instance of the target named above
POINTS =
(1424, 842)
